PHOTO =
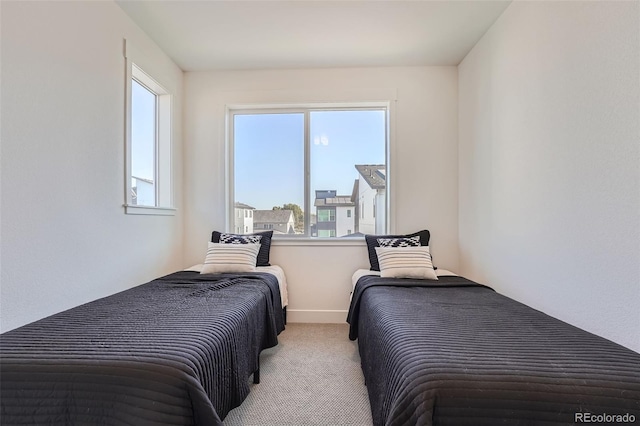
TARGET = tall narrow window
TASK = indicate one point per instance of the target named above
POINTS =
(318, 163)
(148, 148)
(144, 104)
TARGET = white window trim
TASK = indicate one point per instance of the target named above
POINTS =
(163, 158)
(318, 241)
(307, 239)
(149, 210)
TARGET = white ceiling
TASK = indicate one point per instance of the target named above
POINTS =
(267, 34)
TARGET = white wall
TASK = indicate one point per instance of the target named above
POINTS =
(379, 201)
(65, 237)
(344, 223)
(549, 192)
(424, 150)
(367, 199)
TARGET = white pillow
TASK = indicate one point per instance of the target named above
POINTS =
(230, 258)
(406, 262)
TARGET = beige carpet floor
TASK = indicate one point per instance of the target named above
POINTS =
(313, 377)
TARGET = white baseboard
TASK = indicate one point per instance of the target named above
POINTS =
(316, 316)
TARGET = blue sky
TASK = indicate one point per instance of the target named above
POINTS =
(269, 154)
(142, 131)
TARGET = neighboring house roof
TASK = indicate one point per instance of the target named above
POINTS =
(243, 206)
(373, 174)
(142, 179)
(352, 235)
(272, 216)
(338, 201)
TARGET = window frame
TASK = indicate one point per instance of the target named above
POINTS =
(163, 173)
(231, 110)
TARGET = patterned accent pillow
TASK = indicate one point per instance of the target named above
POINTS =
(240, 239)
(399, 242)
(372, 243)
(265, 244)
(230, 258)
(406, 262)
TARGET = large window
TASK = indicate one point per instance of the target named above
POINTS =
(319, 163)
(148, 148)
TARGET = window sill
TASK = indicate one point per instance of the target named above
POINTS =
(309, 241)
(149, 210)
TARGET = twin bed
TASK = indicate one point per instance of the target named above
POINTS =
(178, 350)
(449, 351)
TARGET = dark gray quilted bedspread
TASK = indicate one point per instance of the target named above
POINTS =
(451, 352)
(176, 351)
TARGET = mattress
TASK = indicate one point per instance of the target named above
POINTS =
(176, 351)
(454, 352)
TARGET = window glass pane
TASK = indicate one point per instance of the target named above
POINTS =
(326, 233)
(324, 215)
(143, 145)
(348, 171)
(269, 171)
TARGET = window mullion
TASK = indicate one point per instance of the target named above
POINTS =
(230, 166)
(156, 162)
(307, 173)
